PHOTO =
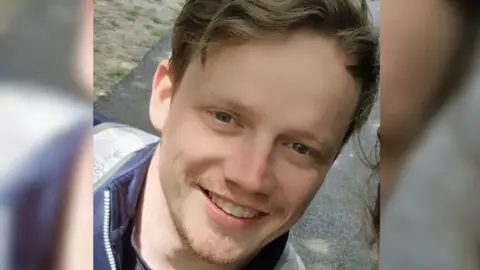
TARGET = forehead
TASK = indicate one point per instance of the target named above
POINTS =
(301, 80)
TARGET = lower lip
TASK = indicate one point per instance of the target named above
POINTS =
(217, 214)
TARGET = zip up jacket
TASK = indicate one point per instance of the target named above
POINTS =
(121, 158)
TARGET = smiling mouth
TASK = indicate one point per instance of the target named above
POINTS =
(232, 209)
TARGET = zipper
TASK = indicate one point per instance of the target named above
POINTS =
(106, 230)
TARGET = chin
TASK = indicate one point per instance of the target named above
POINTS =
(220, 249)
(215, 248)
(218, 254)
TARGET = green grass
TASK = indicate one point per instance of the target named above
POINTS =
(118, 73)
(131, 12)
(159, 32)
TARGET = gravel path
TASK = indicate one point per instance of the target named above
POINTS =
(125, 30)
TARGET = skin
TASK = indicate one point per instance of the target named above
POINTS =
(252, 127)
(84, 51)
(76, 250)
(415, 53)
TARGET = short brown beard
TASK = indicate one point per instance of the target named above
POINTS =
(187, 242)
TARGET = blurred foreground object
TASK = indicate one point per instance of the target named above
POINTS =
(432, 220)
(42, 134)
(45, 118)
(426, 53)
(429, 131)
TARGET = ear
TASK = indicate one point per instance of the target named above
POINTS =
(162, 91)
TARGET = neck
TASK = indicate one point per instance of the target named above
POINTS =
(156, 237)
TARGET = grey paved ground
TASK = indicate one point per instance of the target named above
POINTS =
(332, 233)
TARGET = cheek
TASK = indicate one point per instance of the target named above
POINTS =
(191, 146)
(193, 137)
(297, 187)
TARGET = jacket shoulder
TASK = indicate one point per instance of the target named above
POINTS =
(113, 143)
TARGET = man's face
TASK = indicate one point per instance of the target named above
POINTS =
(248, 140)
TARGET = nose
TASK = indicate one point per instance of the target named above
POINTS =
(250, 168)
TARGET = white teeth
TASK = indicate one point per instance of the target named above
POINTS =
(233, 209)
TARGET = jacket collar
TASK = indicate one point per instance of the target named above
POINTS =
(126, 187)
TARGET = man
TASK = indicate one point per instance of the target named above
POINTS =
(254, 106)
